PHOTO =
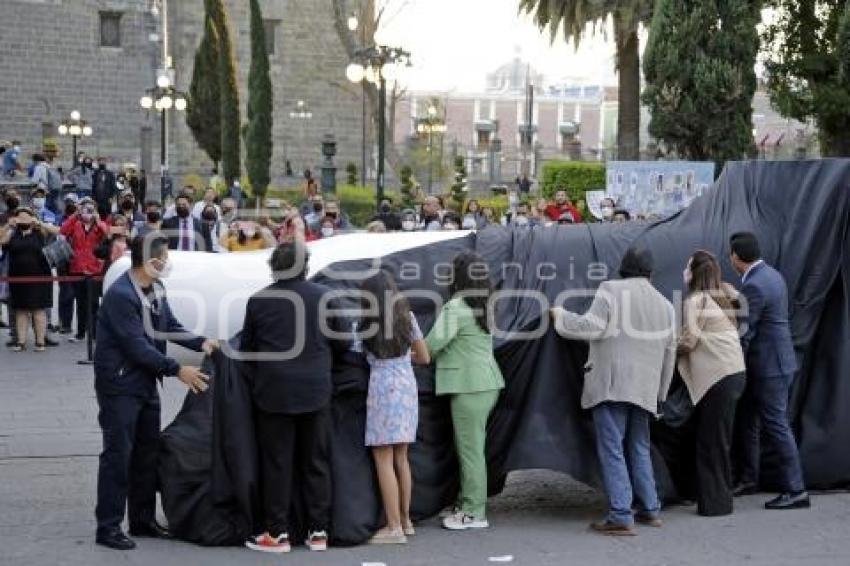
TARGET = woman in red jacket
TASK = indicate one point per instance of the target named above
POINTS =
(84, 230)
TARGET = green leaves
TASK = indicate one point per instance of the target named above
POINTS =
(258, 130)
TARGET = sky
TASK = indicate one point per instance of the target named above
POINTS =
(455, 43)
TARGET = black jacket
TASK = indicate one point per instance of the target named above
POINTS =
(128, 359)
(103, 188)
(203, 238)
(297, 377)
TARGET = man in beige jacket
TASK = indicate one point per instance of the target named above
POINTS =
(631, 330)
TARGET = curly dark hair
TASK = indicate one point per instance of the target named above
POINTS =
(471, 282)
(392, 317)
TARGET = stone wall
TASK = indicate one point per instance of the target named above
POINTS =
(52, 63)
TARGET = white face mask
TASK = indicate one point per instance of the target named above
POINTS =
(249, 233)
(408, 225)
(164, 269)
(327, 232)
(607, 212)
(521, 221)
(38, 202)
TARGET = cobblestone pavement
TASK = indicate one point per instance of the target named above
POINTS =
(49, 443)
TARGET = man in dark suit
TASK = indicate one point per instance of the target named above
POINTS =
(288, 359)
(104, 188)
(184, 232)
(771, 364)
(134, 323)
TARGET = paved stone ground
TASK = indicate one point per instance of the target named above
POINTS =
(49, 441)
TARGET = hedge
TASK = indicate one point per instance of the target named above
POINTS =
(576, 177)
(357, 202)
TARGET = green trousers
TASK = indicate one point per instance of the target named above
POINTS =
(469, 418)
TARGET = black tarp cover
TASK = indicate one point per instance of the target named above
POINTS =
(799, 210)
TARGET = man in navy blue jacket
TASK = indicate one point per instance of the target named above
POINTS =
(134, 324)
(771, 364)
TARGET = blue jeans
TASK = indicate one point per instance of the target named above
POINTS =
(768, 411)
(622, 443)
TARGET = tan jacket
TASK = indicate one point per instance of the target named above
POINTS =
(709, 346)
(631, 328)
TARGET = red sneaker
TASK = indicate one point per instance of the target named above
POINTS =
(267, 543)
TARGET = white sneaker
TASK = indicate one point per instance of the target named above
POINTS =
(449, 511)
(317, 541)
(460, 521)
(269, 544)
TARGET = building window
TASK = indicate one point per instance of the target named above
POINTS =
(483, 140)
(270, 28)
(110, 29)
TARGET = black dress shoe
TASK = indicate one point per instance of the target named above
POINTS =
(48, 341)
(115, 540)
(745, 489)
(150, 530)
(799, 500)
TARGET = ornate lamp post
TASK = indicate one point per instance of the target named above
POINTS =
(378, 64)
(164, 97)
(76, 128)
(431, 125)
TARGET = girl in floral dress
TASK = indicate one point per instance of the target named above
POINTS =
(392, 341)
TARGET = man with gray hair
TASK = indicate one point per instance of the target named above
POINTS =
(631, 330)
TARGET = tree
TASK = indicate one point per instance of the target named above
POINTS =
(408, 199)
(258, 133)
(459, 188)
(806, 58)
(573, 16)
(229, 92)
(203, 114)
(351, 173)
(700, 78)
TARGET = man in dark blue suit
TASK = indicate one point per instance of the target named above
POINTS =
(134, 323)
(771, 364)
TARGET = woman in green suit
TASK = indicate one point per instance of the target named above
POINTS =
(462, 346)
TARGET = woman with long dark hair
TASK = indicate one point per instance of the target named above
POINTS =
(462, 344)
(392, 341)
(711, 363)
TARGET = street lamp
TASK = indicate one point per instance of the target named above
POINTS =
(378, 64)
(163, 97)
(76, 127)
(431, 125)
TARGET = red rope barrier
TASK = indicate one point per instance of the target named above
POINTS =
(50, 279)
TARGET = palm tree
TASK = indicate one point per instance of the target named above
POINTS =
(573, 16)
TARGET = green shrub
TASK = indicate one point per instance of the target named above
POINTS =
(576, 177)
(499, 204)
(351, 173)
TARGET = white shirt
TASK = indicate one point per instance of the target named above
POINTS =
(747, 272)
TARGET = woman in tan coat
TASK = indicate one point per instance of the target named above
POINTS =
(711, 363)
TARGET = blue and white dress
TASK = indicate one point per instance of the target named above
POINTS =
(392, 405)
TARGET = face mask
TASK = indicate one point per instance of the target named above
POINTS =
(332, 214)
(127, 205)
(408, 225)
(38, 202)
(607, 212)
(209, 216)
(182, 211)
(327, 232)
(154, 216)
(249, 233)
(70, 209)
(385, 208)
(102, 166)
(450, 226)
(164, 269)
(521, 221)
(317, 207)
(86, 217)
(12, 203)
(17, 148)
(24, 226)
(87, 164)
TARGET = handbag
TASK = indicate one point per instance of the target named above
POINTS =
(678, 408)
(58, 253)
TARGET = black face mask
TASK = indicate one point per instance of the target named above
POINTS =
(385, 208)
(209, 216)
(12, 203)
(87, 164)
(102, 166)
(182, 211)
(127, 205)
(24, 227)
(318, 207)
(332, 215)
(70, 209)
(154, 216)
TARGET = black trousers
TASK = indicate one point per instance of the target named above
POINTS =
(127, 472)
(87, 320)
(715, 426)
(295, 446)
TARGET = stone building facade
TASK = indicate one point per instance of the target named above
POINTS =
(99, 57)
